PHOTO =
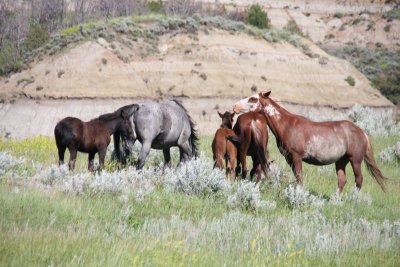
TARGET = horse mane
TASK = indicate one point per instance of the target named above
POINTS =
(114, 115)
(110, 116)
(194, 138)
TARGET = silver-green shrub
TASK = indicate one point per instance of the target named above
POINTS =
(8, 161)
(355, 196)
(373, 122)
(298, 197)
(246, 195)
(195, 177)
(274, 175)
(390, 154)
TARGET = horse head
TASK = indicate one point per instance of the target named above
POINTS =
(260, 102)
(126, 133)
(227, 119)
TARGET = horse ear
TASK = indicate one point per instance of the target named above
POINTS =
(265, 94)
(220, 115)
(134, 108)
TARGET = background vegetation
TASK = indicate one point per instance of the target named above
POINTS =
(26, 26)
(381, 67)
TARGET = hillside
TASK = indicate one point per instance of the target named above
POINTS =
(208, 60)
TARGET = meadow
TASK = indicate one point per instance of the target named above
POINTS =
(191, 215)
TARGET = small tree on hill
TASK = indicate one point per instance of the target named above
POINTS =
(36, 37)
(257, 17)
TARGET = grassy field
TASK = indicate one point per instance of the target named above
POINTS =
(190, 216)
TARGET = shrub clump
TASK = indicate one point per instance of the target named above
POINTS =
(373, 122)
(36, 37)
(293, 28)
(246, 196)
(257, 17)
(355, 196)
(350, 80)
(390, 154)
(195, 177)
(299, 197)
(8, 161)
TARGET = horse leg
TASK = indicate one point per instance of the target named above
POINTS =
(341, 172)
(144, 152)
(254, 169)
(238, 166)
(167, 158)
(72, 158)
(185, 151)
(61, 153)
(219, 161)
(357, 173)
(232, 163)
(102, 157)
(244, 164)
(90, 161)
(228, 166)
(295, 163)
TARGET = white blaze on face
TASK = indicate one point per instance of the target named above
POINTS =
(250, 104)
(325, 150)
(271, 111)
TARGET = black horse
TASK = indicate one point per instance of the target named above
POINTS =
(92, 137)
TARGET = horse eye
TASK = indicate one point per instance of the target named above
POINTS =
(253, 100)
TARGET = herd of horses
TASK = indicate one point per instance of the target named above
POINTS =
(164, 125)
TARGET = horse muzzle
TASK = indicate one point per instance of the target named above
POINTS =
(238, 108)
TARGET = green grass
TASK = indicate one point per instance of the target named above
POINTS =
(43, 226)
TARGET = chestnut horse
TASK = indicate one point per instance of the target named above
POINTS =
(317, 143)
(251, 138)
(92, 137)
(223, 149)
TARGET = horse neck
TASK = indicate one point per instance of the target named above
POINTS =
(278, 122)
(111, 124)
(226, 125)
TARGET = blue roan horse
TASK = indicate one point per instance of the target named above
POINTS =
(162, 126)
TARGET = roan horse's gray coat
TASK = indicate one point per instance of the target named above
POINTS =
(161, 126)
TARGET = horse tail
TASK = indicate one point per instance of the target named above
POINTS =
(234, 139)
(194, 138)
(259, 147)
(373, 169)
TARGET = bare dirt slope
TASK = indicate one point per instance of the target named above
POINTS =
(332, 23)
(217, 64)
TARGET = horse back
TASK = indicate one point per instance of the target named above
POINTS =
(326, 142)
(221, 145)
(94, 135)
(250, 126)
(68, 129)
